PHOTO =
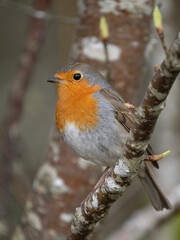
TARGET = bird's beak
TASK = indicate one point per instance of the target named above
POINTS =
(54, 80)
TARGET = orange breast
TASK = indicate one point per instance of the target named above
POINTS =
(76, 105)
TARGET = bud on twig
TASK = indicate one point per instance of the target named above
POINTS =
(104, 34)
(158, 156)
(157, 17)
(104, 30)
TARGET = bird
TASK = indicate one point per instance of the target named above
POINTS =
(94, 121)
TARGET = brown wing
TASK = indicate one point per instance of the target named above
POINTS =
(123, 114)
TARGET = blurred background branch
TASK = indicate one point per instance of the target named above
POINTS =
(144, 222)
(11, 128)
(36, 13)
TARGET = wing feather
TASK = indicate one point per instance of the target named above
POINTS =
(124, 115)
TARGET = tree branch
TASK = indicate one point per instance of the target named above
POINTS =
(117, 179)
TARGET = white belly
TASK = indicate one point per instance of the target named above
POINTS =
(101, 146)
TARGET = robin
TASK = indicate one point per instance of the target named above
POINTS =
(94, 121)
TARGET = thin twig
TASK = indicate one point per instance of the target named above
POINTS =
(39, 14)
(104, 34)
(117, 179)
(163, 43)
(159, 27)
(107, 62)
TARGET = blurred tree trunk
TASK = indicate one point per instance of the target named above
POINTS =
(10, 131)
(64, 179)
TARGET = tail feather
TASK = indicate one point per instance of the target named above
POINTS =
(157, 197)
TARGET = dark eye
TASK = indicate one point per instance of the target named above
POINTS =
(77, 76)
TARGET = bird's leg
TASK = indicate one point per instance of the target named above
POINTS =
(100, 180)
(84, 203)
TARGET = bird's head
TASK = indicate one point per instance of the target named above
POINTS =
(78, 75)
